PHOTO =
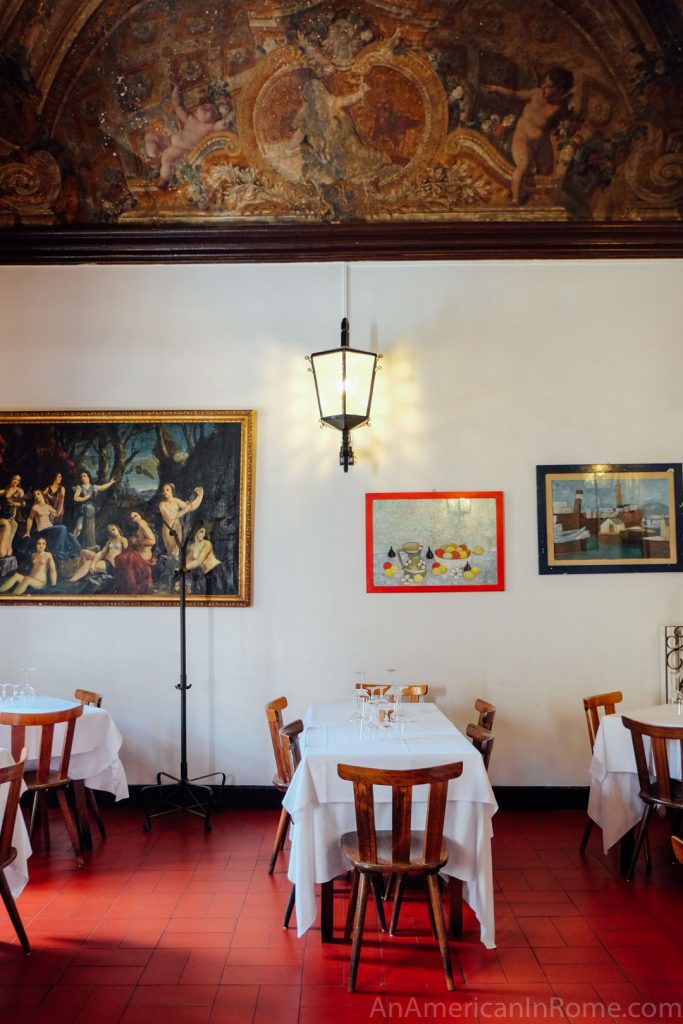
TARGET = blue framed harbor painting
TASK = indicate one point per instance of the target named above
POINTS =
(609, 518)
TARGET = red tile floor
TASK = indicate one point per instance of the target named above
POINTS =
(183, 927)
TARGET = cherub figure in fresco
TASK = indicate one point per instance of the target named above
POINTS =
(544, 107)
(164, 151)
(42, 567)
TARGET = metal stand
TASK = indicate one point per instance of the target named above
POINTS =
(192, 795)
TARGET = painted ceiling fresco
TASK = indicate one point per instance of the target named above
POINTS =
(167, 111)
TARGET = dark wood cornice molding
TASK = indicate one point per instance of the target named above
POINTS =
(267, 243)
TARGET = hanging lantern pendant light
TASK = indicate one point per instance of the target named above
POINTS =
(344, 380)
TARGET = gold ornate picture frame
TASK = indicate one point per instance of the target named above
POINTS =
(97, 507)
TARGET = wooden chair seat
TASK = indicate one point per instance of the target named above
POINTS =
(658, 790)
(11, 778)
(400, 852)
(412, 865)
(482, 740)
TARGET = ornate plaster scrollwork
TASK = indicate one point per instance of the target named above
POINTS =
(656, 177)
(29, 189)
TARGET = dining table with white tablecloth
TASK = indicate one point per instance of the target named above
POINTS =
(16, 873)
(614, 802)
(321, 804)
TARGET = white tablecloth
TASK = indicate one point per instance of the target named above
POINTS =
(96, 744)
(322, 809)
(614, 802)
(17, 872)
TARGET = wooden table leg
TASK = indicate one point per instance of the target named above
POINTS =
(626, 844)
(82, 815)
(327, 911)
(454, 906)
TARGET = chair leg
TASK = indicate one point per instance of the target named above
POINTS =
(642, 832)
(353, 899)
(389, 888)
(376, 882)
(439, 924)
(290, 907)
(400, 884)
(11, 906)
(94, 809)
(586, 835)
(70, 825)
(358, 925)
(280, 837)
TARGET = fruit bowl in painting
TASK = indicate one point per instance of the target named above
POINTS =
(452, 552)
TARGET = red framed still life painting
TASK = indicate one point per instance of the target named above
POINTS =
(434, 541)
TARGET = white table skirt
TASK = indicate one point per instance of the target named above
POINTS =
(17, 872)
(322, 809)
(96, 744)
(614, 802)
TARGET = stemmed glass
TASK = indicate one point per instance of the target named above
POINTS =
(677, 699)
(360, 695)
(27, 691)
(399, 716)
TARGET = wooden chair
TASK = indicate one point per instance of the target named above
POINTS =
(44, 777)
(10, 777)
(482, 740)
(289, 739)
(83, 792)
(401, 851)
(592, 707)
(661, 790)
(677, 845)
(414, 694)
(373, 690)
(486, 712)
(89, 697)
(283, 772)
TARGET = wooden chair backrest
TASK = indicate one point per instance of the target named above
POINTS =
(592, 706)
(20, 721)
(274, 709)
(11, 777)
(89, 697)
(374, 690)
(677, 845)
(402, 783)
(486, 712)
(412, 694)
(483, 740)
(289, 737)
(658, 789)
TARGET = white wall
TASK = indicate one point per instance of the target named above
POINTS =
(489, 370)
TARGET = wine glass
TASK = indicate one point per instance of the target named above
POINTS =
(360, 696)
(27, 690)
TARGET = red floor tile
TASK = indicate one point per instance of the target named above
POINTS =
(180, 927)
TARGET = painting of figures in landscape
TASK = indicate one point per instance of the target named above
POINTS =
(434, 542)
(101, 507)
(609, 518)
(303, 112)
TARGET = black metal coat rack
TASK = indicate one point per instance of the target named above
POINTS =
(196, 795)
